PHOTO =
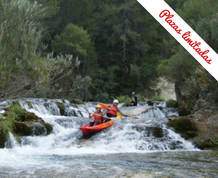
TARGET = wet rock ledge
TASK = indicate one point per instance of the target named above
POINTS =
(200, 127)
(21, 123)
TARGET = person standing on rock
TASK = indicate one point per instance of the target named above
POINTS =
(134, 100)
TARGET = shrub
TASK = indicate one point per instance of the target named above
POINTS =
(172, 104)
(157, 98)
(17, 109)
(124, 99)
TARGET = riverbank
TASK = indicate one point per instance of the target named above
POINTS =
(200, 127)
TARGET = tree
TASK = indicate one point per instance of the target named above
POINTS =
(83, 85)
(23, 70)
(75, 40)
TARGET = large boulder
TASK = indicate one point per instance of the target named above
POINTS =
(3, 136)
(184, 126)
(21, 123)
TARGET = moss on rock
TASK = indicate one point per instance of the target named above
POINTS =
(20, 122)
(31, 117)
(183, 111)
(158, 132)
(150, 103)
(48, 127)
(61, 107)
(29, 104)
(3, 136)
(185, 127)
(211, 143)
(76, 101)
(22, 129)
(172, 103)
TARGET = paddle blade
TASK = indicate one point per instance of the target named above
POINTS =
(103, 106)
(135, 117)
(119, 116)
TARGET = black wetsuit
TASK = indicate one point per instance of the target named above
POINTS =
(134, 101)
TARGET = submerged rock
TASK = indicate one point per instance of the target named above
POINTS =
(38, 129)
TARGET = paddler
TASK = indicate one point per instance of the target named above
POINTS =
(112, 110)
(134, 100)
(99, 116)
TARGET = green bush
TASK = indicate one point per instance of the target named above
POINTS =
(139, 97)
(17, 109)
(157, 98)
(124, 99)
(172, 104)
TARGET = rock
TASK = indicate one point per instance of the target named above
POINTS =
(38, 129)
(76, 101)
(48, 127)
(3, 136)
(184, 126)
(172, 103)
(150, 103)
(158, 132)
(201, 104)
(207, 125)
(61, 108)
(22, 129)
(135, 111)
(211, 143)
(21, 123)
(29, 104)
(32, 128)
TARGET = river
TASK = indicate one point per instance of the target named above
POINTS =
(127, 149)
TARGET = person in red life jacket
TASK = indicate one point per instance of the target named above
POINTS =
(99, 117)
(112, 110)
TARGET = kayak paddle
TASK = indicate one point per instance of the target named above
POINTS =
(105, 108)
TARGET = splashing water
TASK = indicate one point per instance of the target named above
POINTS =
(147, 134)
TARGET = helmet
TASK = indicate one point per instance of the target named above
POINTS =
(115, 101)
(133, 93)
(98, 106)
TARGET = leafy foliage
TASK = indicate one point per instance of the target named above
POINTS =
(180, 67)
(157, 98)
(49, 48)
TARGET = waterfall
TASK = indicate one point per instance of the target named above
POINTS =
(12, 142)
(148, 133)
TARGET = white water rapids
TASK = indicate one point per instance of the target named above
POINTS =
(130, 136)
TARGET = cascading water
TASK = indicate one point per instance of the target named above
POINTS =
(148, 134)
(130, 135)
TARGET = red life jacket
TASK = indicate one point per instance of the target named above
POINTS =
(112, 110)
(98, 117)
